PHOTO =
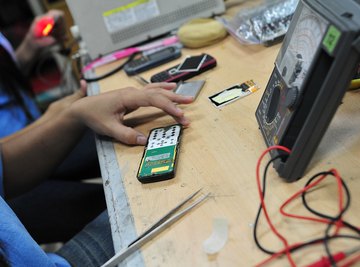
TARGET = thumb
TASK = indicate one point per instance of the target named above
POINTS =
(83, 87)
(128, 135)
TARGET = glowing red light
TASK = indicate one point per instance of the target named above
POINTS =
(44, 26)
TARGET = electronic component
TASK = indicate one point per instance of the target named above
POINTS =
(233, 93)
(158, 162)
(172, 74)
(191, 63)
(192, 88)
(150, 61)
(107, 26)
(317, 60)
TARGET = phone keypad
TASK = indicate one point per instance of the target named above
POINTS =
(161, 77)
(163, 137)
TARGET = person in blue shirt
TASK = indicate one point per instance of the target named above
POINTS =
(63, 189)
(28, 158)
(17, 107)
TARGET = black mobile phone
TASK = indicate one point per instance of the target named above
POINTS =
(152, 60)
(159, 159)
(191, 67)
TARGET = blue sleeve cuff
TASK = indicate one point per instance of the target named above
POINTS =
(1, 175)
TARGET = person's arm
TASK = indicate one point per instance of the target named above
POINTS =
(52, 111)
(60, 105)
(32, 46)
(30, 157)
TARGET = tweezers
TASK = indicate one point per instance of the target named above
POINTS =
(171, 217)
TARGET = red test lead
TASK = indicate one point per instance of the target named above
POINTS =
(325, 261)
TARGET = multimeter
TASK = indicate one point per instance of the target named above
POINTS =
(317, 60)
(152, 60)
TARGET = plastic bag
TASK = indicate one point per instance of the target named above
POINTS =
(265, 24)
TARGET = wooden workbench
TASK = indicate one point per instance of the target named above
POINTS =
(219, 152)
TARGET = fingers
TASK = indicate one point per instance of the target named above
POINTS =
(163, 85)
(83, 87)
(166, 101)
(58, 32)
(127, 135)
(56, 14)
(105, 113)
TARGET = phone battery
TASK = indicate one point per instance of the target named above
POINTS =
(189, 88)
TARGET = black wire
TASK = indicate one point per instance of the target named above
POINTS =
(324, 239)
(117, 69)
(333, 219)
(260, 208)
(317, 213)
(321, 240)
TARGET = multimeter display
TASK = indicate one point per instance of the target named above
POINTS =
(311, 75)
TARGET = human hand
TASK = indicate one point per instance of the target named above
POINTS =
(64, 103)
(105, 113)
(57, 35)
(163, 85)
(32, 45)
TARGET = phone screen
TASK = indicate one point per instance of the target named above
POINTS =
(191, 64)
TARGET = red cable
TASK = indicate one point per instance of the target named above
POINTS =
(273, 229)
(297, 195)
(276, 255)
(338, 224)
(288, 248)
(325, 261)
(351, 261)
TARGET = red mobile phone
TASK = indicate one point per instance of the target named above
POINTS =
(173, 74)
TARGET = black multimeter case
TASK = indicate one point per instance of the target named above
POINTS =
(152, 60)
(312, 72)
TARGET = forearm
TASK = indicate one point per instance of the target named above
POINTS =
(31, 126)
(26, 53)
(31, 156)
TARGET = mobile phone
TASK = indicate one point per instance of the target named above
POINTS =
(173, 75)
(160, 155)
(192, 63)
(146, 62)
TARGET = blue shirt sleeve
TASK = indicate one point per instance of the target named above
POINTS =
(18, 247)
(1, 175)
(16, 244)
(6, 44)
(12, 116)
